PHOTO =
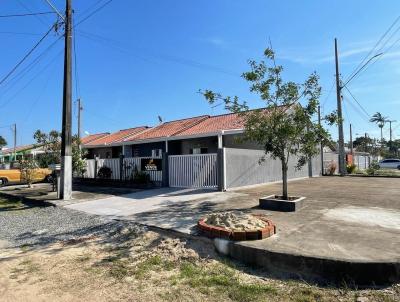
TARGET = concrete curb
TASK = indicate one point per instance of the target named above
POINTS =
(331, 270)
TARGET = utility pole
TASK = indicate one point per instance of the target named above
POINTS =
(342, 163)
(15, 142)
(390, 127)
(321, 145)
(80, 108)
(66, 150)
(351, 140)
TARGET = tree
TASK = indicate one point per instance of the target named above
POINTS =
(363, 144)
(3, 142)
(27, 168)
(380, 120)
(284, 127)
(51, 144)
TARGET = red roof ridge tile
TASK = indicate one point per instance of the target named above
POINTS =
(205, 117)
(184, 119)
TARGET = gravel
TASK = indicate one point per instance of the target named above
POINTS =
(37, 226)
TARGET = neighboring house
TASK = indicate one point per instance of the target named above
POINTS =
(195, 135)
(202, 151)
(8, 155)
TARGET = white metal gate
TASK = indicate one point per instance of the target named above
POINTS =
(193, 171)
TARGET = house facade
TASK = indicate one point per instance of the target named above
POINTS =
(202, 151)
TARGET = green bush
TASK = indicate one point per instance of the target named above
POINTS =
(104, 172)
(351, 168)
(373, 167)
(141, 178)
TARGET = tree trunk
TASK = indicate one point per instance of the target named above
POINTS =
(284, 181)
(381, 136)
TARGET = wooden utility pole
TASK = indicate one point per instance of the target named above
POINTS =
(342, 163)
(66, 149)
(321, 145)
(80, 108)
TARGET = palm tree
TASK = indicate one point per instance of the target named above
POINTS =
(380, 120)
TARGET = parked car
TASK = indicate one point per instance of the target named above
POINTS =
(13, 176)
(390, 163)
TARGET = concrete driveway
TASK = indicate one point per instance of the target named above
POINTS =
(343, 217)
(170, 208)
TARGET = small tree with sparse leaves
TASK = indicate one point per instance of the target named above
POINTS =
(284, 127)
(27, 169)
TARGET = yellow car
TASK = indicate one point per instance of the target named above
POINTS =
(13, 176)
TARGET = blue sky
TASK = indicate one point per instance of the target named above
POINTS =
(140, 59)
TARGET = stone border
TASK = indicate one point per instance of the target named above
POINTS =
(219, 232)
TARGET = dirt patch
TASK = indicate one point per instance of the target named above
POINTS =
(235, 221)
(135, 264)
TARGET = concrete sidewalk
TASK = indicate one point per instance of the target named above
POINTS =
(168, 208)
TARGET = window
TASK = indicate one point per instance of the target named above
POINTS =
(198, 150)
(156, 153)
(135, 152)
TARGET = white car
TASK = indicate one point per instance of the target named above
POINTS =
(390, 163)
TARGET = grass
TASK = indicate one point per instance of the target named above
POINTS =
(8, 203)
(222, 279)
(26, 267)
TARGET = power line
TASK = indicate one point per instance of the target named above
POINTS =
(14, 80)
(93, 12)
(25, 15)
(26, 56)
(329, 93)
(114, 44)
(31, 80)
(375, 46)
(19, 33)
(30, 11)
(354, 98)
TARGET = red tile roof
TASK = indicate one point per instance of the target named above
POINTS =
(168, 129)
(87, 139)
(116, 136)
(215, 124)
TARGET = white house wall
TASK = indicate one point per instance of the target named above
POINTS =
(243, 169)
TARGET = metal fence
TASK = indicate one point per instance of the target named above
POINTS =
(129, 166)
(193, 171)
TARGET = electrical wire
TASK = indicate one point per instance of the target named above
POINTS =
(4, 104)
(117, 45)
(30, 11)
(375, 46)
(18, 33)
(26, 56)
(23, 72)
(354, 98)
(25, 15)
(93, 12)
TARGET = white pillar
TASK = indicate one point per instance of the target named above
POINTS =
(220, 141)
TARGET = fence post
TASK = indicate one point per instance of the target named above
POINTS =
(95, 167)
(121, 166)
(220, 168)
(165, 170)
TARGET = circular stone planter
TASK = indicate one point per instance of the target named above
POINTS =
(219, 232)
